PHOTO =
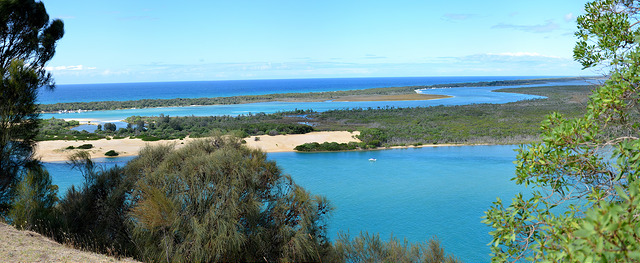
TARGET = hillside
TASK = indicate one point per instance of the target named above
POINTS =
(28, 246)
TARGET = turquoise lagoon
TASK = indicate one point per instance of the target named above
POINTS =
(415, 193)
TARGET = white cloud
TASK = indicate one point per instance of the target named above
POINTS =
(548, 26)
(69, 68)
(521, 54)
(568, 17)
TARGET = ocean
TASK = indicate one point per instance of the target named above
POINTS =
(202, 89)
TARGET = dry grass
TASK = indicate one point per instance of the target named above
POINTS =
(28, 246)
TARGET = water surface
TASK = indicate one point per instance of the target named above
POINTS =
(208, 89)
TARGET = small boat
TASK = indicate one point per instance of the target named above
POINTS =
(372, 159)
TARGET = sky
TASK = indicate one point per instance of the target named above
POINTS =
(116, 41)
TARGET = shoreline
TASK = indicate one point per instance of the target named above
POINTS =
(55, 151)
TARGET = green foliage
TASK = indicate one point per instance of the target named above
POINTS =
(249, 212)
(608, 232)
(111, 153)
(329, 146)
(166, 128)
(27, 43)
(59, 129)
(95, 215)
(85, 146)
(18, 125)
(370, 248)
(372, 137)
(109, 127)
(584, 174)
(33, 204)
(146, 138)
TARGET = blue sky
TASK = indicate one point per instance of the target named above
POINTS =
(146, 41)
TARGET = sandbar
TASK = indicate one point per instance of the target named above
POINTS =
(52, 151)
(413, 96)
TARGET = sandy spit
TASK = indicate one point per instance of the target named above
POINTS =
(52, 151)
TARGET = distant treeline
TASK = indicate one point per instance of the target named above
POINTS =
(510, 123)
(311, 96)
(167, 128)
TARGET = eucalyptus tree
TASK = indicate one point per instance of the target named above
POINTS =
(584, 204)
(27, 42)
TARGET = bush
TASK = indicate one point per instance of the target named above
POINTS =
(147, 138)
(252, 212)
(326, 146)
(95, 215)
(33, 204)
(85, 146)
(370, 248)
(111, 153)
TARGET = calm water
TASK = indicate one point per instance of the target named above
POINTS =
(414, 193)
(201, 89)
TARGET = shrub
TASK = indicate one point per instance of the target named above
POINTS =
(252, 212)
(33, 204)
(85, 146)
(370, 248)
(95, 215)
(111, 153)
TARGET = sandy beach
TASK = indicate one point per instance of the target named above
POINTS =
(52, 151)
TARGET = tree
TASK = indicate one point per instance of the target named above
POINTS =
(583, 205)
(34, 202)
(109, 127)
(217, 200)
(27, 42)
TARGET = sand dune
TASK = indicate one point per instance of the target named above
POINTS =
(51, 151)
